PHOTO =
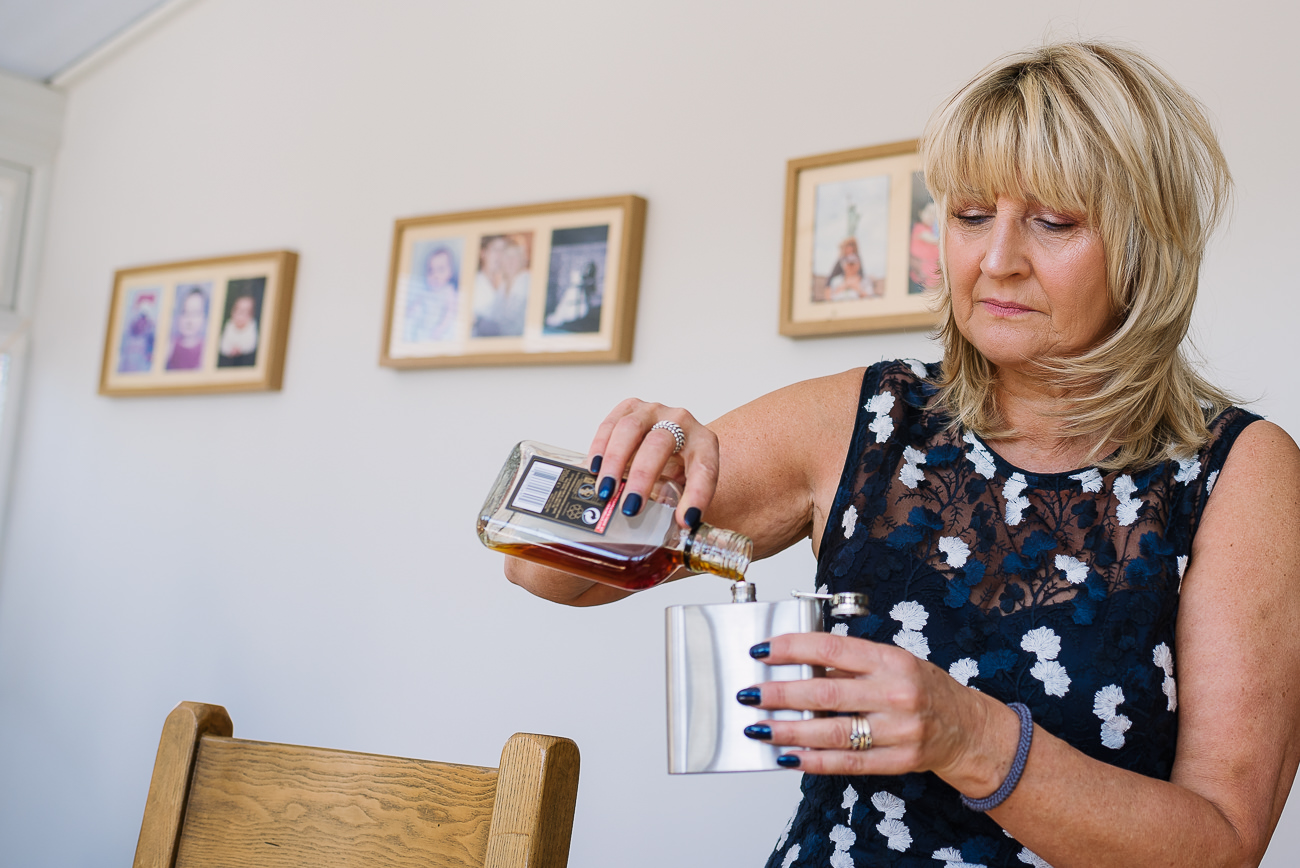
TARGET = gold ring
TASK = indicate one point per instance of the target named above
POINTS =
(860, 735)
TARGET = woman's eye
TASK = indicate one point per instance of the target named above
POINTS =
(1056, 224)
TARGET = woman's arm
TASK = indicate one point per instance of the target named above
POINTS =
(768, 470)
(1238, 651)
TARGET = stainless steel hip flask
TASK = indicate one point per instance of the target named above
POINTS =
(708, 662)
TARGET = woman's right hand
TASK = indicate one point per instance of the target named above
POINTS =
(627, 445)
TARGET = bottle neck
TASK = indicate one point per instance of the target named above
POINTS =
(724, 553)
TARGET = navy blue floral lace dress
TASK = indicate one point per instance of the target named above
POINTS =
(1058, 590)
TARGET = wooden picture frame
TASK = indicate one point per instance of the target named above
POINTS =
(554, 283)
(864, 208)
(198, 326)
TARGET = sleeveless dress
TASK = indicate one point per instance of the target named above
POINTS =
(1058, 590)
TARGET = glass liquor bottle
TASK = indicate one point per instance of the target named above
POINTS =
(545, 507)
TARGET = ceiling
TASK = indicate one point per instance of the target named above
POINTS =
(41, 38)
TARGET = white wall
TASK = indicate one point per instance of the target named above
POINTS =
(306, 558)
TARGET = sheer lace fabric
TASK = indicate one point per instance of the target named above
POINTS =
(1056, 590)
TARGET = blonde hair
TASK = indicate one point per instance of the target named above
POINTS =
(1102, 130)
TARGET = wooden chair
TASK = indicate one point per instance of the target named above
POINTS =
(221, 801)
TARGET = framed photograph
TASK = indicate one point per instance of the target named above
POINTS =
(208, 325)
(553, 283)
(861, 251)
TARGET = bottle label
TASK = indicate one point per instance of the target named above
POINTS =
(565, 494)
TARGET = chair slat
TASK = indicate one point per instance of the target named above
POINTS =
(261, 805)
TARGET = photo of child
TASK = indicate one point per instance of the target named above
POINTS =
(923, 247)
(432, 292)
(850, 236)
(189, 326)
(136, 354)
(243, 314)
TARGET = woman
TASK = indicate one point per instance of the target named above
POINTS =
(1063, 515)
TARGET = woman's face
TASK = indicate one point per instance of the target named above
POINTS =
(1028, 283)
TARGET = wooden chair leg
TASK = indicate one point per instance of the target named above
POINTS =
(164, 811)
(537, 790)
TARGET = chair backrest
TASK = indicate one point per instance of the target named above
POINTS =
(221, 801)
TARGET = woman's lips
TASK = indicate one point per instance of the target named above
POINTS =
(997, 307)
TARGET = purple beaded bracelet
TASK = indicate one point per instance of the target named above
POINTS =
(999, 796)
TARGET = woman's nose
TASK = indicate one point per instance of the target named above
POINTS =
(1004, 255)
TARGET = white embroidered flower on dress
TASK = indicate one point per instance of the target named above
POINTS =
(1076, 571)
(840, 629)
(911, 473)
(790, 857)
(979, 456)
(850, 521)
(964, 670)
(1188, 469)
(1090, 479)
(1033, 859)
(910, 614)
(1112, 731)
(850, 798)
(900, 837)
(843, 838)
(1042, 643)
(918, 368)
(951, 857)
(889, 804)
(1107, 701)
(883, 425)
(1105, 705)
(1209, 483)
(1164, 658)
(955, 551)
(916, 643)
(789, 824)
(1128, 506)
(1016, 505)
(1056, 682)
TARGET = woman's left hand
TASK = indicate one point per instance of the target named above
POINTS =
(921, 719)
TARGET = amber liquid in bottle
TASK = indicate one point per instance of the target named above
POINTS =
(544, 508)
(632, 570)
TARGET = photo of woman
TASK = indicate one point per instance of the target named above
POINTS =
(189, 326)
(501, 285)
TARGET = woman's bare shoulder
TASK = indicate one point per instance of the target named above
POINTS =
(1257, 493)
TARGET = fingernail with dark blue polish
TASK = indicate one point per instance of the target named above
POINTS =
(632, 504)
(606, 488)
(692, 518)
(749, 696)
(761, 650)
(788, 761)
(760, 731)
(595, 464)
